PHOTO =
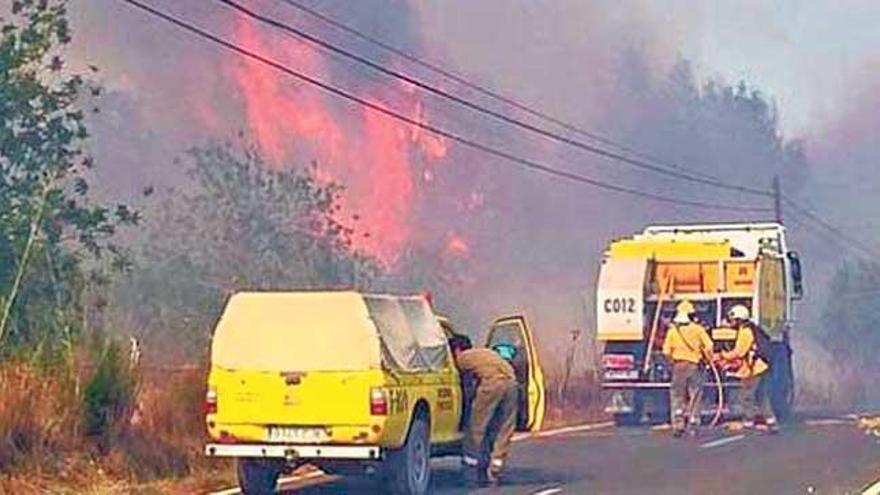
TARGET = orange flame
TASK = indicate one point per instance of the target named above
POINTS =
(367, 152)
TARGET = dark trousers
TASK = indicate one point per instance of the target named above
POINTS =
(685, 393)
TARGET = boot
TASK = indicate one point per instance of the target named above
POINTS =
(474, 476)
(493, 477)
(493, 473)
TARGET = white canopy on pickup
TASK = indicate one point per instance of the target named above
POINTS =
(328, 331)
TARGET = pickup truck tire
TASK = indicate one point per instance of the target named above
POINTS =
(408, 468)
(258, 476)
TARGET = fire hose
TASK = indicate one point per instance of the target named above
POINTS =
(719, 392)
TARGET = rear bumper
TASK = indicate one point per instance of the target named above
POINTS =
(294, 452)
(634, 385)
(662, 385)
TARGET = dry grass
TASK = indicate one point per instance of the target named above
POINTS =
(167, 430)
(581, 402)
(155, 449)
(158, 448)
(39, 416)
(93, 480)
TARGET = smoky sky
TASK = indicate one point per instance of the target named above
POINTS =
(509, 239)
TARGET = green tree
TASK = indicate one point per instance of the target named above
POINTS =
(238, 225)
(48, 225)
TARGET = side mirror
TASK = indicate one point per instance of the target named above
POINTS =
(797, 282)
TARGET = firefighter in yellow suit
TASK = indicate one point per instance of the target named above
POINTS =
(686, 345)
(743, 363)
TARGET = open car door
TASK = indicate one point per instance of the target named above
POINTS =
(511, 337)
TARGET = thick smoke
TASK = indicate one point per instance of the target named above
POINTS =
(486, 236)
(845, 185)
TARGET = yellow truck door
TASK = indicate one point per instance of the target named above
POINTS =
(514, 331)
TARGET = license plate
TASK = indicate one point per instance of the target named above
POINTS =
(296, 434)
(621, 374)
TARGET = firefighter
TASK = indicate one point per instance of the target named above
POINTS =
(743, 362)
(493, 411)
(686, 345)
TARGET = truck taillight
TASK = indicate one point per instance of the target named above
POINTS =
(210, 406)
(378, 402)
(618, 362)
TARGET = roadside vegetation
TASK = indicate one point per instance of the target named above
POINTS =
(106, 310)
(103, 348)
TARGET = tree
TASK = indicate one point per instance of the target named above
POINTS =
(851, 316)
(717, 128)
(238, 225)
(848, 329)
(48, 224)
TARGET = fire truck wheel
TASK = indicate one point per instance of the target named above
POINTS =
(634, 417)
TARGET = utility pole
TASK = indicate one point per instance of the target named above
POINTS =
(777, 198)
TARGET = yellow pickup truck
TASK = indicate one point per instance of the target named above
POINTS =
(351, 383)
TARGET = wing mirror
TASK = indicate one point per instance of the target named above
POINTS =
(797, 282)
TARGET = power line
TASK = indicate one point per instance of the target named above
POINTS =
(838, 234)
(480, 109)
(525, 163)
(820, 234)
(495, 95)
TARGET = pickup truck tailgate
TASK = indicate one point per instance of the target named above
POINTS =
(322, 398)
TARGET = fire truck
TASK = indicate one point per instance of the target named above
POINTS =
(643, 277)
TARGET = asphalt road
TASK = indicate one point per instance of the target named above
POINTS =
(816, 455)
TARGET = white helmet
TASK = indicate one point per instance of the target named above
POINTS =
(738, 312)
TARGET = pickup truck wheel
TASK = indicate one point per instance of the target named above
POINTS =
(258, 476)
(409, 467)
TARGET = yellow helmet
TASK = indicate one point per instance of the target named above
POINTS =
(686, 307)
(683, 312)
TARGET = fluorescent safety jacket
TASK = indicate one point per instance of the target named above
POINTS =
(688, 342)
(744, 351)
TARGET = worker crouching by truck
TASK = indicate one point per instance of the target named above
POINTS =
(749, 361)
(492, 418)
(686, 345)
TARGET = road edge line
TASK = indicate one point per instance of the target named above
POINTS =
(562, 431)
(873, 489)
(723, 441)
(549, 491)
